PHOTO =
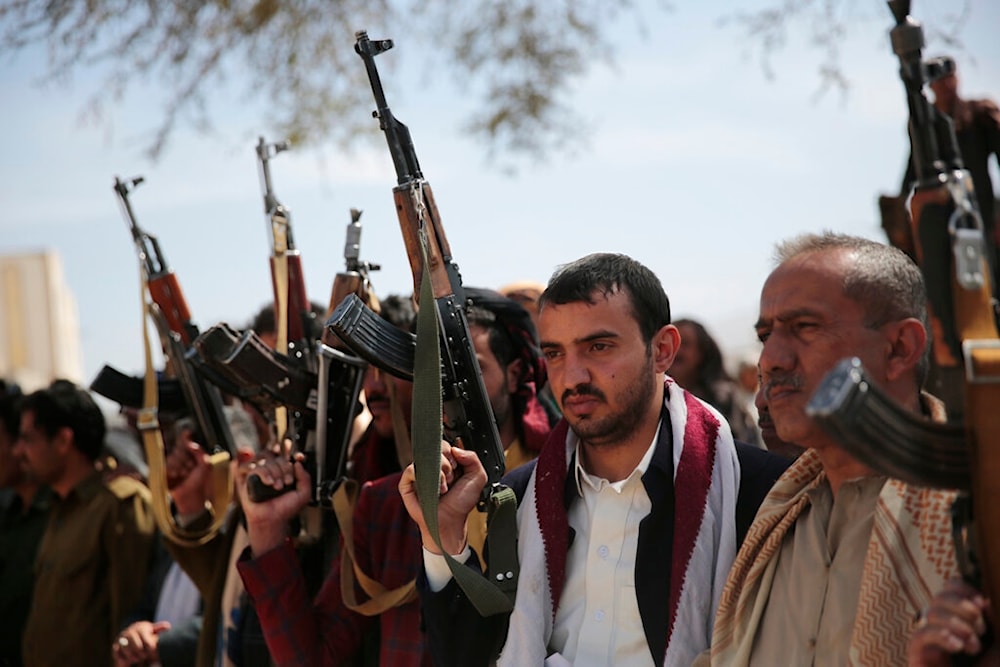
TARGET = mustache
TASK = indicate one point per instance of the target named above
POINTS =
(782, 380)
(583, 390)
(764, 419)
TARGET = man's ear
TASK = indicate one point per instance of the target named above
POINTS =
(514, 372)
(664, 346)
(907, 341)
(62, 442)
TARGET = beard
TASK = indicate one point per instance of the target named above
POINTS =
(617, 426)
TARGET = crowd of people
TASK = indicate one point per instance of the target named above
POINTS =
(669, 510)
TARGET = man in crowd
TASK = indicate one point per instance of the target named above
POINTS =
(626, 525)
(821, 578)
(385, 544)
(95, 551)
(24, 511)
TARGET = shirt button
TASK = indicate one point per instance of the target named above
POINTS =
(599, 616)
(603, 551)
(811, 643)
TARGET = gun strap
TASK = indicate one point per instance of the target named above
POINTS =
(487, 597)
(152, 440)
(380, 598)
(279, 266)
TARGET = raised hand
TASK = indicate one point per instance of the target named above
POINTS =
(462, 480)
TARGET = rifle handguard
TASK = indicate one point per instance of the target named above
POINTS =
(874, 429)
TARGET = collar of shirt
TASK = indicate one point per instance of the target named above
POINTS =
(597, 483)
(86, 489)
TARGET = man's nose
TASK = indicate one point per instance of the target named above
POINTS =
(776, 354)
(374, 377)
(575, 371)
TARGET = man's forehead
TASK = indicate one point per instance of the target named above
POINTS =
(605, 313)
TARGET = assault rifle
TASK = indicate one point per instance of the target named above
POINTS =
(468, 414)
(175, 328)
(443, 327)
(293, 315)
(324, 399)
(949, 247)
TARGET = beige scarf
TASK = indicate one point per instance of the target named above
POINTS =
(910, 556)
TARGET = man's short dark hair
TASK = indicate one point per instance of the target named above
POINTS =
(398, 310)
(608, 273)
(263, 322)
(63, 404)
(10, 414)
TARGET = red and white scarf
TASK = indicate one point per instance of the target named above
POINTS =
(706, 483)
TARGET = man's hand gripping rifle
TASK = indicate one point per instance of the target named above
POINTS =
(467, 414)
(949, 244)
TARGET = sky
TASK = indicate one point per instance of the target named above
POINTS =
(694, 163)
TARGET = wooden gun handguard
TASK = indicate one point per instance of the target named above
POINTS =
(167, 295)
(438, 250)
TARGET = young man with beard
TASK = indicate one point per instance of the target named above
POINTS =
(627, 525)
(385, 542)
(839, 561)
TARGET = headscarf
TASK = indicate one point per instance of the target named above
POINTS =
(521, 333)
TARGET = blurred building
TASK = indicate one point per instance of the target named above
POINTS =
(39, 324)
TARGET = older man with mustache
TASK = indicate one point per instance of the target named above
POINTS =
(839, 561)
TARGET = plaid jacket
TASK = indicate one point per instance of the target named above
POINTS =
(325, 632)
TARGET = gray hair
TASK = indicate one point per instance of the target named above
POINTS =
(881, 278)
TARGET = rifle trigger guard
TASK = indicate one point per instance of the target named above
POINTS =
(969, 346)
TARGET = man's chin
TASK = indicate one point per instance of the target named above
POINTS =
(383, 426)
